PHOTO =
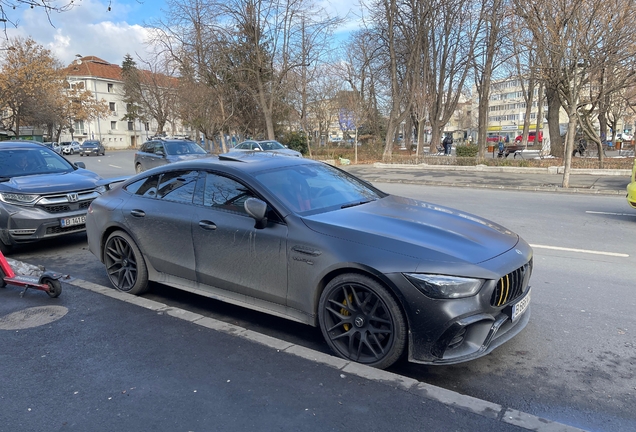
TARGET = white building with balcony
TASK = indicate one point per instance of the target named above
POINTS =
(104, 80)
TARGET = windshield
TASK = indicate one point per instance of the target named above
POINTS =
(183, 148)
(23, 162)
(89, 144)
(316, 188)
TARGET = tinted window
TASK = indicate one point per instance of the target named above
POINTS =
(148, 147)
(225, 193)
(177, 186)
(243, 146)
(145, 187)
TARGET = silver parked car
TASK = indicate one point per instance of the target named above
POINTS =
(70, 147)
(42, 195)
(382, 276)
(266, 146)
(162, 151)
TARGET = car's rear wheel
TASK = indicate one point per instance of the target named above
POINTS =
(139, 168)
(72, 151)
(125, 264)
(361, 321)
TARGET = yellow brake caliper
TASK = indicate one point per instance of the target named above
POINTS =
(345, 312)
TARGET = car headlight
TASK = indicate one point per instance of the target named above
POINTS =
(445, 287)
(101, 189)
(19, 199)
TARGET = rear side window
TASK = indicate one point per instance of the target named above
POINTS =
(145, 187)
(177, 186)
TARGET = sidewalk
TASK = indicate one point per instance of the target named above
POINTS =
(589, 181)
(100, 360)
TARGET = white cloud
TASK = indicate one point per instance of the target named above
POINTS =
(87, 29)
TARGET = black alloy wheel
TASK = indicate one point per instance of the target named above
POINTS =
(125, 264)
(361, 321)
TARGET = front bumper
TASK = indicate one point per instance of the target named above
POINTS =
(19, 225)
(449, 331)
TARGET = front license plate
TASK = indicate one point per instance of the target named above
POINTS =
(520, 307)
(72, 221)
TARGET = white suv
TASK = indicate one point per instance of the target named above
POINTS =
(70, 147)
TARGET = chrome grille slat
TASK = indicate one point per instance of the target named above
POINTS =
(511, 286)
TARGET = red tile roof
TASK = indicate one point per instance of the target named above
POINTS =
(94, 67)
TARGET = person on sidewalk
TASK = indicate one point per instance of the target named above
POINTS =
(448, 145)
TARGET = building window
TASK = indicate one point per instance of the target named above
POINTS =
(113, 125)
(111, 105)
(79, 127)
(110, 88)
(147, 126)
(130, 126)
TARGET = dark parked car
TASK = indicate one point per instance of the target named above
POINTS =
(266, 146)
(380, 274)
(92, 147)
(163, 151)
(42, 195)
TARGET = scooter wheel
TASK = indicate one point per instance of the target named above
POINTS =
(55, 287)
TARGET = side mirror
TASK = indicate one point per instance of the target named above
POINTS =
(258, 210)
(80, 165)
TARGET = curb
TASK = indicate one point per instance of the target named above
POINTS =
(448, 397)
(519, 170)
(374, 179)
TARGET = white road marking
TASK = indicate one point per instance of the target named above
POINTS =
(614, 254)
(114, 166)
(613, 214)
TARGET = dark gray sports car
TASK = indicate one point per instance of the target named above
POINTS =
(383, 276)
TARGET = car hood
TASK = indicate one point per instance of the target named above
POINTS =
(80, 179)
(418, 229)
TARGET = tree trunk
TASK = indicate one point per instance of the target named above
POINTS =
(554, 106)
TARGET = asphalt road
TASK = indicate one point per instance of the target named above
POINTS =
(575, 361)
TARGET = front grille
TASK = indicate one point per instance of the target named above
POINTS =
(60, 230)
(62, 203)
(511, 286)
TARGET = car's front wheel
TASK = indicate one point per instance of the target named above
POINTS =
(361, 321)
(125, 264)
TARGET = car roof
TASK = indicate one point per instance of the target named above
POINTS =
(20, 144)
(247, 162)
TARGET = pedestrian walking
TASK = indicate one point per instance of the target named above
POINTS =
(448, 145)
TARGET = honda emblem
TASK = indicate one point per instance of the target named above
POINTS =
(72, 197)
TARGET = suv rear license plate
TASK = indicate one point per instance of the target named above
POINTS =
(72, 221)
(520, 307)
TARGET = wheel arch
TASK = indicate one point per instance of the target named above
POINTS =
(362, 270)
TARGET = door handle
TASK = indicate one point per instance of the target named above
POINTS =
(138, 213)
(207, 225)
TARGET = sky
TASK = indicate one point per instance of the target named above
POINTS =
(90, 29)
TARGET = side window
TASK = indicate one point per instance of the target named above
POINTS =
(148, 147)
(242, 146)
(145, 187)
(159, 148)
(225, 193)
(177, 186)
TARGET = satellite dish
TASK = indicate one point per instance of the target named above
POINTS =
(78, 61)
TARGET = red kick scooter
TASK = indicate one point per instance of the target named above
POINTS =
(47, 282)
